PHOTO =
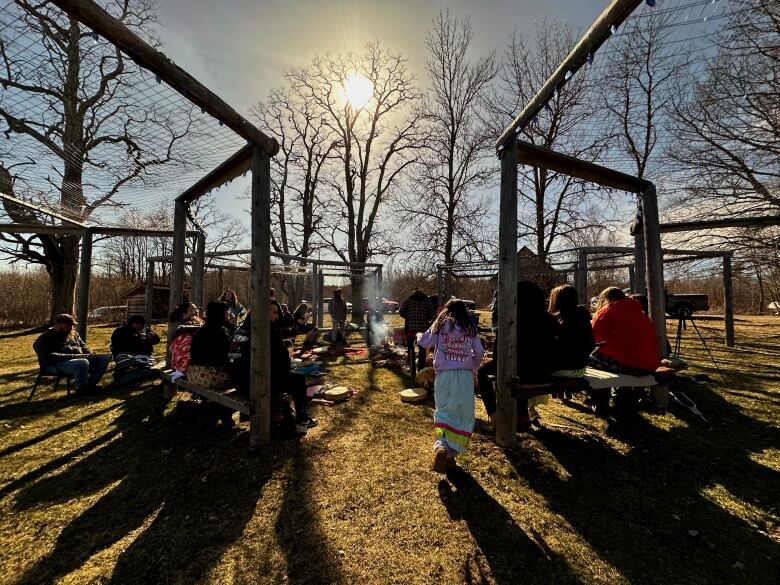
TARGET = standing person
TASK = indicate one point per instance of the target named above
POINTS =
(61, 350)
(418, 313)
(457, 354)
(133, 347)
(236, 311)
(337, 308)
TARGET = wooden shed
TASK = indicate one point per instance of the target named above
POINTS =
(136, 303)
(532, 267)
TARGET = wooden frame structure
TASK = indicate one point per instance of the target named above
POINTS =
(581, 275)
(254, 157)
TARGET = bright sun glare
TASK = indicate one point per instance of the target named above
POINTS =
(358, 90)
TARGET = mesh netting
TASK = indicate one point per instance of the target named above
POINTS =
(143, 144)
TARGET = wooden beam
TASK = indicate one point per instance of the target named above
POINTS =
(506, 335)
(713, 224)
(632, 279)
(100, 21)
(44, 210)
(536, 156)
(260, 279)
(614, 14)
(235, 166)
(728, 300)
(85, 275)
(640, 268)
(33, 228)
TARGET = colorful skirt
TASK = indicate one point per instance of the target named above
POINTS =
(453, 419)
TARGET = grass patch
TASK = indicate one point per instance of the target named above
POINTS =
(132, 488)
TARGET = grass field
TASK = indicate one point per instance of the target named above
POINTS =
(129, 487)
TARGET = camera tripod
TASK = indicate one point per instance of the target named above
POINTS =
(683, 318)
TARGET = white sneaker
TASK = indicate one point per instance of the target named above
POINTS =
(301, 429)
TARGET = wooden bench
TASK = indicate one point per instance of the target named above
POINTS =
(228, 397)
(593, 380)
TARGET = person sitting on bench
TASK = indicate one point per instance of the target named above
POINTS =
(62, 351)
(575, 337)
(283, 380)
(184, 323)
(625, 336)
(301, 317)
(133, 349)
(209, 350)
(537, 332)
(626, 344)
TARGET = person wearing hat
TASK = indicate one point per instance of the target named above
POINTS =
(337, 308)
(62, 351)
(133, 346)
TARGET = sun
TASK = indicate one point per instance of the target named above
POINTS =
(358, 90)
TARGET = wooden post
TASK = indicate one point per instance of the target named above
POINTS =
(315, 292)
(632, 278)
(220, 281)
(320, 294)
(177, 266)
(149, 293)
(260, 364)
(640, 267)
(728, 300)
(655, 266)
(582, 277)
(198, 269)
(656, 294)
(440, 285)
(506, 336)
(85, 273)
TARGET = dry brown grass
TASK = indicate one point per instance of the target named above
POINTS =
(131, 488)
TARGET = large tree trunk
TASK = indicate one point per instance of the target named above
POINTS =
(63, 273)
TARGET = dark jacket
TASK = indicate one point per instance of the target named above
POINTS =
(126, 339)
(575, 340)
(537, 336)
(210, 345)
(182, 328)
(53, 347)
(239, 357)
(418, 312)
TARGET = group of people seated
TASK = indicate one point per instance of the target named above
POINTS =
(558, 339)
(61, 351)
(215, 353)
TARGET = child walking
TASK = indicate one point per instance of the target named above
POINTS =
(457, 354)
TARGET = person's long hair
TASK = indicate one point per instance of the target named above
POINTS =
(225, 294)
(608, 296)
(531, 303)
(563, 300)
(455, 312)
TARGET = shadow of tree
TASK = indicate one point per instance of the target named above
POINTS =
(636, 510)
(191, 483)
(511, 556)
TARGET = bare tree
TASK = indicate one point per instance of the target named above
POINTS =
(305, 144)
(66, 107)
(727, 129)
(444, 207)
(551, 205)
(377, 142)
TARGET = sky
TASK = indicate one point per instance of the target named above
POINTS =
(240, 48)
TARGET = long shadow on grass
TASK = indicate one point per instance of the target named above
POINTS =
(512, 557)
(636, 510)
(180, 487)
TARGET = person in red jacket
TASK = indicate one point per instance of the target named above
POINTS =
(624, 335)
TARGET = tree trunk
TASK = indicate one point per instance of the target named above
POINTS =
(63, 273)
